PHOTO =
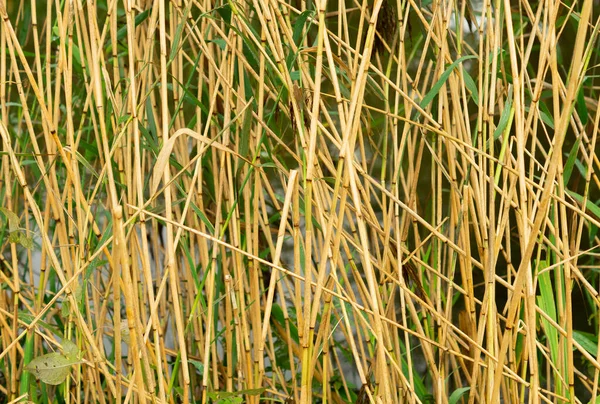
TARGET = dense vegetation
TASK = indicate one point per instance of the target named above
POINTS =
(305, 201)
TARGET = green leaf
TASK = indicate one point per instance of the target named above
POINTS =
(95, 263)
(125, 334)
(441, 81)
(77, 59)
(225, 12)
(245, 135)
(138, 20)
(65, 309)
(175, 46)
(546, 302)
(27, 357)
(232, 400)
(570, 163)
(70, 350)
(221, 43)
(277, 314)
(457, 394)
(545, 115)
(588, 341)
(20, 238)
(203, 217)
(580, 106)
(591, 206)
(52, 368)
(299, 25)
(226, 395)
(471, 86)
(504, 118)
(11, 218)
(28, 319)
(81, 159)
(593, 231)
(198, 365)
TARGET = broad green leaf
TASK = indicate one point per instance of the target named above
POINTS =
(12, 219)
(125, 334)
(588, 341)
(65, 309)
(19, 237)
(52, 368)
(70, 350)
(299, 25)
(198, 365)
(221, 43)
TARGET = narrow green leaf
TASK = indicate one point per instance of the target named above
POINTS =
(141, 17)
(504, 118)
(80, 158)
(471, 86)
(245, 134)
(28, 319)
(202, 216)
(221, 395)
(570, 163)
(28, 356)
(591, 206)
(546, 302)
(442, 80)
(180, 26)
(457, 394)
(545, 115)
(580, 106)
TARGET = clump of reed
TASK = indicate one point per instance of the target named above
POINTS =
(377, 201)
